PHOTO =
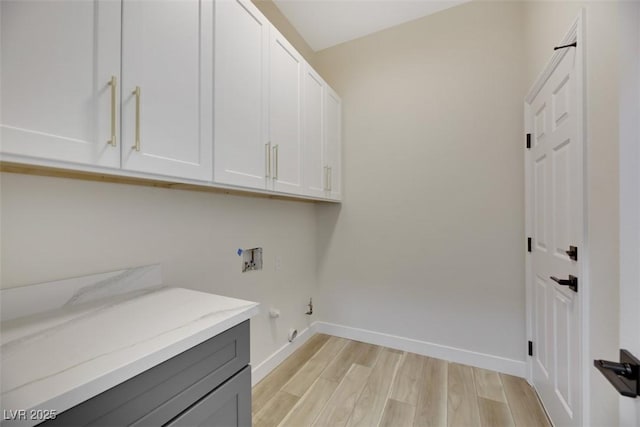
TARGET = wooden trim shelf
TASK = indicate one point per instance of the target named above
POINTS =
(122, 177)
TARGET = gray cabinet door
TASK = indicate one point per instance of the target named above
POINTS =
(227, 406)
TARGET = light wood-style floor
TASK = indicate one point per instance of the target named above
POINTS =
(332, 381)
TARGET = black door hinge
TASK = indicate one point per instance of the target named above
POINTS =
(528, 140)
(574, 44)
(530, 348)
(528, 244)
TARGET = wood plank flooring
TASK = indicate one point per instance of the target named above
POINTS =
(331, 381)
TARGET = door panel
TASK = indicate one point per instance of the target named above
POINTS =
(241, 101)
(167, 51)
(561, 199)
(285, 114)
(540, 124)
(541, 327)
(333, 141)
(562, 320)
(540, 202)
(313, 134)
(57, 61)
(560, 102)
(556, 205)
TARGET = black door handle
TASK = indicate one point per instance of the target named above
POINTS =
(623, 375)
(623, 369)
(571, 282)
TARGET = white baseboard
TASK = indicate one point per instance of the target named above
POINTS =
(262, 369)
(451, 354)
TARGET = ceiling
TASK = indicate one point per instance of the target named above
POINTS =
(326, 23)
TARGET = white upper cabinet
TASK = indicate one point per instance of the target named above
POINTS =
(167, 87)
(321, 124)
(313, 133)
(241, 95)
(199, 90)
(285, 114)
(63, 92)
(57, 60)
(333, 143)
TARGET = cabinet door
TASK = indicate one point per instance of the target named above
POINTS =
(241, 101)
(285, 114)
(227, 406)
(167, 53)
(315, 165)
(333, 140)
(57, 60)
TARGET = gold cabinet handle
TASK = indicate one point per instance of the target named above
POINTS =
(267, 159)
(275, 163)
(136, 92)
(114, 85)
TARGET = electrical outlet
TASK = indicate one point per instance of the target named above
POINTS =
(278, 263)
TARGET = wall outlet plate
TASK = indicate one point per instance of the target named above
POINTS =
(251, 259)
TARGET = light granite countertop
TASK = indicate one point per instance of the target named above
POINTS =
(56, 359)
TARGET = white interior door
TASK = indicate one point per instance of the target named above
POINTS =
(285, 114)
(630, 195)
(241, 101)
(57, 61)
(555, 193)
(167, 52)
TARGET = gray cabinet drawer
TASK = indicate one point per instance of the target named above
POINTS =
(228, 406)
(156, 396)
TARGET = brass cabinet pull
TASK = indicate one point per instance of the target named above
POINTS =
(267, 159)
(136, 92)
(114, 84)
(275, 154)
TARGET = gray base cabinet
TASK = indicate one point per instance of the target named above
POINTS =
(207, 385)
(229, 405)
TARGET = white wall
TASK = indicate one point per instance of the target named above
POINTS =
(429, 243)
(56, 228)
(546, 23)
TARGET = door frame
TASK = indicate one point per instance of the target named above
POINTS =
(576, 33)
(629, 96)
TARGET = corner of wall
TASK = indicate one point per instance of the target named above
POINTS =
(277, 18)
